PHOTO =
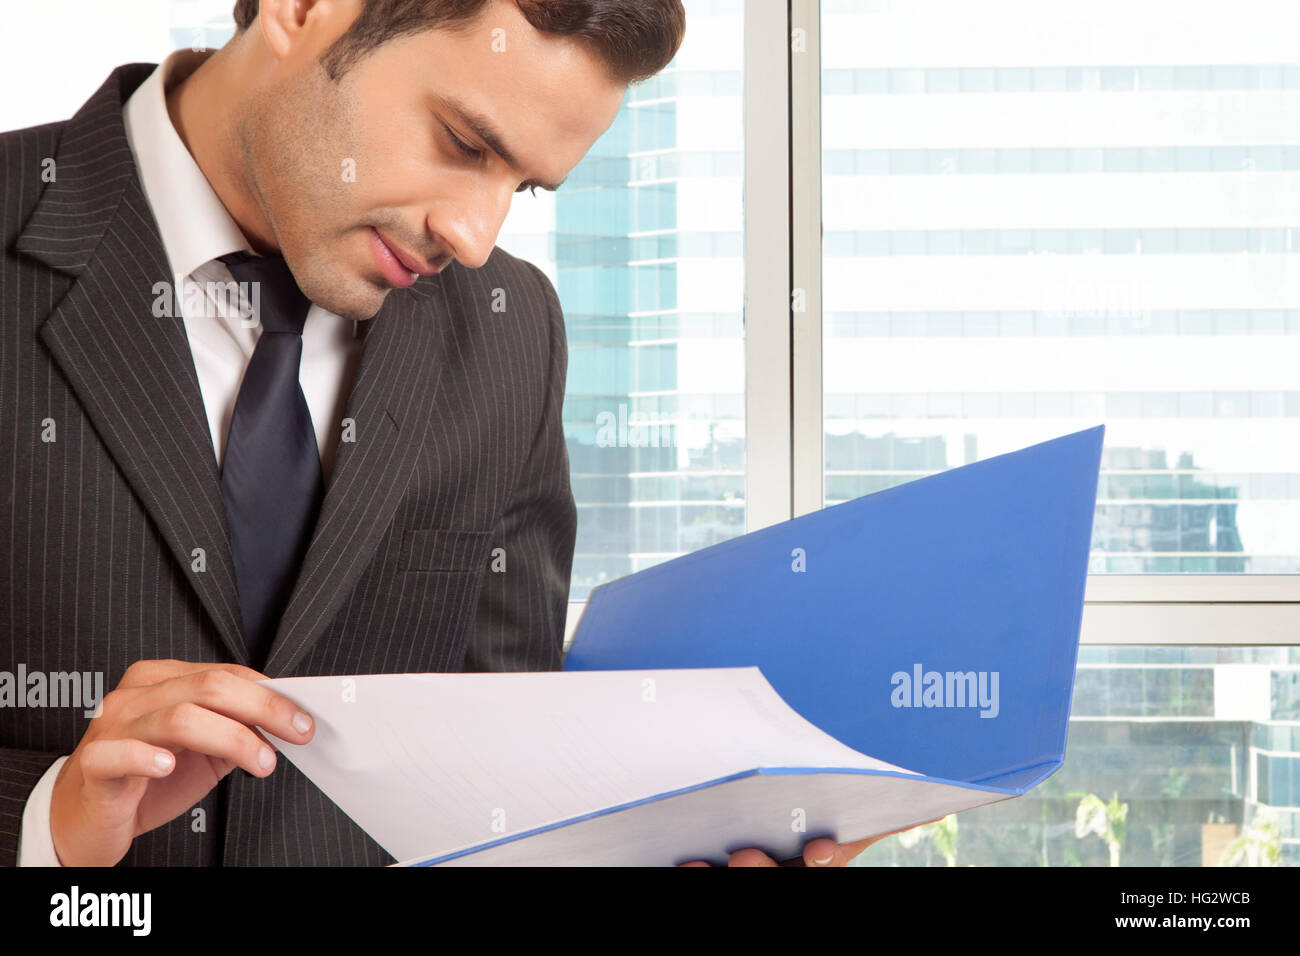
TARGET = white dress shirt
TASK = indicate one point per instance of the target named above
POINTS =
(196, 229)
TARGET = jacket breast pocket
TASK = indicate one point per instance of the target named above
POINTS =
(441, 549)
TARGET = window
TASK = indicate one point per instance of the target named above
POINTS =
(1072, 243)
(644, 244)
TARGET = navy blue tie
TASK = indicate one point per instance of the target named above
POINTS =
(271, 473)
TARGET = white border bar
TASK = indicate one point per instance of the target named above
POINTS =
(768, 458)
(807, 424)
(1191, 624)
(1193, 589)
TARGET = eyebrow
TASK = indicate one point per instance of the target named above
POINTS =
(484, 128)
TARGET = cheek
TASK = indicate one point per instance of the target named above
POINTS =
(317, 155)
(324, 172)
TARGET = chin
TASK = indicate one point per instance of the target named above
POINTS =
(364, 305)
(356, 316)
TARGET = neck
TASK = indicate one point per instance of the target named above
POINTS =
(204, 109)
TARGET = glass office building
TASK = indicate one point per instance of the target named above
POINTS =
(1040, 217)
(644, 244)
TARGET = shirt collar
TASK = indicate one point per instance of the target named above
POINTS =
(194, 224)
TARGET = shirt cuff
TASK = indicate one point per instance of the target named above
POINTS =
(35, 841)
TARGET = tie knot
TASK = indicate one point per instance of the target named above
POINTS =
(271, 292)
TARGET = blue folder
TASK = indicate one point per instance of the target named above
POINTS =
(934, 626)
(980, 569)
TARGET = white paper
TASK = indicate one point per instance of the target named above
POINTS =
(772, 811)
(428, 764)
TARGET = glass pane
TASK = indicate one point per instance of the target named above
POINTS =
(1198, 748)
(1025, 238)
(644, 245)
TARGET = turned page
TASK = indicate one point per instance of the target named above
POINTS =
(432, 763)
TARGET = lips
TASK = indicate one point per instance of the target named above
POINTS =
(409, 262)
(388, 264)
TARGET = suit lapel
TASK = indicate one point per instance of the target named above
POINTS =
(132, 369)
(390, 405)
(133, 373)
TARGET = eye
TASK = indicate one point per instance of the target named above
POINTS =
(463, 147)
(523, 186)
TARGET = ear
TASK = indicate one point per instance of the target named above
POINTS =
(289, 25)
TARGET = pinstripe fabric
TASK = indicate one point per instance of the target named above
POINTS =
(458, 450)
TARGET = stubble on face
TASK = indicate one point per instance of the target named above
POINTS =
(297, 149)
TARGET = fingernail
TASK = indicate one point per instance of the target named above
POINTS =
(266, 758)
(301, 722)
(163, 760)
(822, 861)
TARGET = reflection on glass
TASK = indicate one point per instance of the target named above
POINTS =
(1035, 224)
(643, 243)
(1197, 748)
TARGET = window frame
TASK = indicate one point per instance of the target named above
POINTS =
(784, 427)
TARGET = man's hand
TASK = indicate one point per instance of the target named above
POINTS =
(163, 738)
(820, 852)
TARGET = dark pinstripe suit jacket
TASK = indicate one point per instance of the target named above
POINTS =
(459, 450)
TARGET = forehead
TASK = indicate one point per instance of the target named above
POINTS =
(549, 96)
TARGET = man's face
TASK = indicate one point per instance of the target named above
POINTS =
(335, 167)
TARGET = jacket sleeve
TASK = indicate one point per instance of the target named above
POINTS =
(519, 621)
(20, 771)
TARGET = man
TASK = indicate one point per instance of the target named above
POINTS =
(368, 477)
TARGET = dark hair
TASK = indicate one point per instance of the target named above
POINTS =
(635, 39)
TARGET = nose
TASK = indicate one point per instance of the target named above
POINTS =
(470, 225)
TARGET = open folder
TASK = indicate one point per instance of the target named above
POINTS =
(870, 666)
